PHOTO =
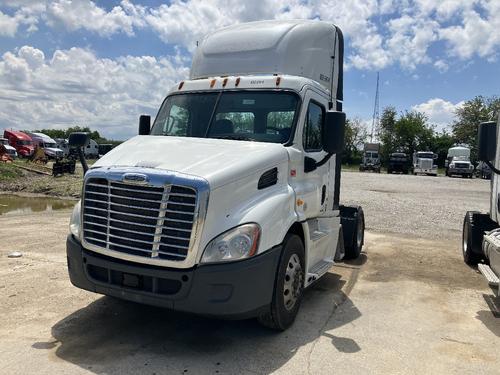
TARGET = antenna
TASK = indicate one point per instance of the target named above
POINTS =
(376, 112)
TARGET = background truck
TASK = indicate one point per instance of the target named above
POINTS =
(399, 163)
(228, 205)
(11, 151)
(481, 232)
(48, 145)
(458, 162)
(371, 158)
(21, 142)
(423, 163)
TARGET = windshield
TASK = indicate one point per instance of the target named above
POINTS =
(426, 155)
(24, 143)
(50, 145)
(248, 115)
(371, 154)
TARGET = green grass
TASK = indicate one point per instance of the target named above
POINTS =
(9, 171)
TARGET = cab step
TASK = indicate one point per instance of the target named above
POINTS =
(487, 272)
(318, 270)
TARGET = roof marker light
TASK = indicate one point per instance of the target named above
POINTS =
(180, 85)
(278, 81)
(212, 83)
(224, 83)
(237, 82)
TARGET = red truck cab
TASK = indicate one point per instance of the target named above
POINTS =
(20, 141)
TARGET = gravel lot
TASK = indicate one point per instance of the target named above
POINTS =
(420, 206)
(408, 305)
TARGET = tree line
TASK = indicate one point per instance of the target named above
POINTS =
(411, 131)
(64, 133)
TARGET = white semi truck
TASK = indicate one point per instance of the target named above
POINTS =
(458, 162)
(228, 205)
(481, 231)
(423, 163)
(48, 145)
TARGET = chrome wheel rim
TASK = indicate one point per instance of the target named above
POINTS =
(292, 287)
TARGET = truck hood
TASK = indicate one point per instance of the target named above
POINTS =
(53, 150)
(219, 161)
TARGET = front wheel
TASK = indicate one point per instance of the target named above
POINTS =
(288, 287)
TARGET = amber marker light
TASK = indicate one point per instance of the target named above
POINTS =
(180, 85)
(237, 82)
(224, 83)
(212, 83)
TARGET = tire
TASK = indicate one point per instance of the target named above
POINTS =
(472, 236)
(289, 286)
(353, 250)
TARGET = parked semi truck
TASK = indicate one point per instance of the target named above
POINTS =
(48, 145)
(228, 205)
(371, 158)
(399, 163)
(20, 141)
(458, 162)
(481, 231)
(11, 151)
(423, 163)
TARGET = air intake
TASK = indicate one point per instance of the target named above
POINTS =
(268, 178)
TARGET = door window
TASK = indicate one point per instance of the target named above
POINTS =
(313, 126)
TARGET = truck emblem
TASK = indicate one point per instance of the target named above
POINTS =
(135, 178)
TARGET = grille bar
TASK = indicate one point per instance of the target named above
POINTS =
(146, 221)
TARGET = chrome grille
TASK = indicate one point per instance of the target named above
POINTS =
(148, 221)
(426, 163)
(461, 165)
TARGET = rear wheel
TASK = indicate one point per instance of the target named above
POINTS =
(288, 287)
(471, 239)
(353, 250)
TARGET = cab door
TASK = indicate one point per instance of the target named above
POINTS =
(314, 186)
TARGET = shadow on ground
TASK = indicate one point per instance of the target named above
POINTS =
(115, 337)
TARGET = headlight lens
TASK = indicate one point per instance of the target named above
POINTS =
(74, 224)
(235, 244)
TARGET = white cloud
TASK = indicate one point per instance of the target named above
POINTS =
(439, 111)
(441, 66)
(85, 14)
(8, 25)
(76, 87)
(379, 33)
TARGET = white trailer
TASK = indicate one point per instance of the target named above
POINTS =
(228, 205)
(481, 231)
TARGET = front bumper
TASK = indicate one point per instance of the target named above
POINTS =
(460, 171)
(235, 290)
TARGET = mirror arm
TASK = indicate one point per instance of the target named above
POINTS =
(324, 160)
(492, 167)
(81, 155)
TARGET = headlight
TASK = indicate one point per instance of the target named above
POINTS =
(74, 224)
(235, 244)
(452, 166)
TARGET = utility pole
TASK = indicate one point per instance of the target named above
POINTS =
(376, 112)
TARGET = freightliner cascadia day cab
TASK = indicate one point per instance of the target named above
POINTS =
(481, 231)
(228, 205)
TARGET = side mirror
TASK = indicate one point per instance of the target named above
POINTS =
(487, 141)
(332, 134)
(144, 124)
(435, 156)
(79, 139)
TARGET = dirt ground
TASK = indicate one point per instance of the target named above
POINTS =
(408, 305)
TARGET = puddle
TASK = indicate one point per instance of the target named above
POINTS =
(13, 204)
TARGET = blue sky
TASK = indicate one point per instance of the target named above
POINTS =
(102, 63)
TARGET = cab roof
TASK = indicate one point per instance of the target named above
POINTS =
(19, 135)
